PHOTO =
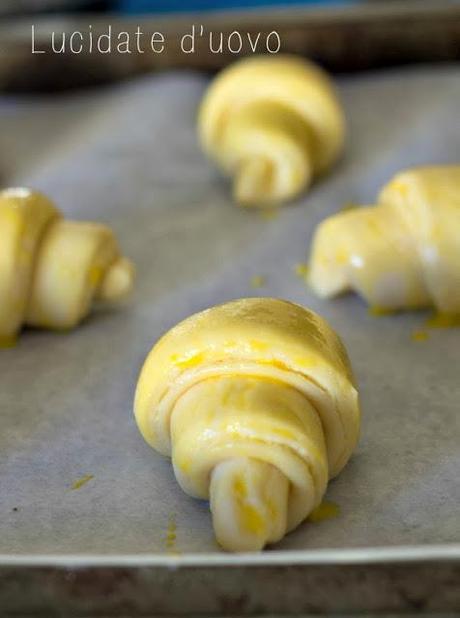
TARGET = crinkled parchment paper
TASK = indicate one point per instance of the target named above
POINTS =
(128, 155)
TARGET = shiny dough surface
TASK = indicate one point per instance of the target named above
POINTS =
(403, 252)
(272, 123)
(254, 380)
(51, 270)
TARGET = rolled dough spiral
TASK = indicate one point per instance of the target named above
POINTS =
(255, 402)
(52, 270)
(403, 252)
(272, 123)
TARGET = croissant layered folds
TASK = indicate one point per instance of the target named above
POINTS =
(271, 123)
(255, 402)
(403, 252)
(52, 270)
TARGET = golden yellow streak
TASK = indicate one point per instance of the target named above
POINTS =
(269, 214)
(171, 533)
(95, 275)
(347, 206)
(8, 342)
(240, 488)
(420, 335)
(251, 519)
(443, 320)
(188, 361)
(82, 481)
(326, 510)
(259, 346)
(378, 312)
(258, 281)
(302, 270)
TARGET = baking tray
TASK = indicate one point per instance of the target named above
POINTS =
(128, 155)
(350, 38)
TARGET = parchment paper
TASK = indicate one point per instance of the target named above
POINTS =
(128, 155)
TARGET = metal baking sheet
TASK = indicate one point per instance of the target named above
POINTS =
(128, 155)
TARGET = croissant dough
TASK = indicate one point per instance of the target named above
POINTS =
(51, 270)
(402, 253)
(255, 402)
(272, 123)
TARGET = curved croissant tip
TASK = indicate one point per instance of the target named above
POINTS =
(118, 281)
(253, 182)
(263, 183)
(329, 258)
(249, 503)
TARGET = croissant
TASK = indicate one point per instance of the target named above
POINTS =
(402, 253)
(272, 123)
(255, 402)
(52, 270)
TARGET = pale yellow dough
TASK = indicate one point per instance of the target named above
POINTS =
(255, 402)
(272, 123)
(403, 252)
(52, 270)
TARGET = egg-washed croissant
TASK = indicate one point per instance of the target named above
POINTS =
(272, 123)
(403, 252)
(52, 270)
(255, 402)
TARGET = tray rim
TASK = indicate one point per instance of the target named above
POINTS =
(10, 28)
(401, 554)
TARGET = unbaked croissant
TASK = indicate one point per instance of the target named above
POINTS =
(272, 123)
(402, 253)
(255, 402)
(52, 270)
